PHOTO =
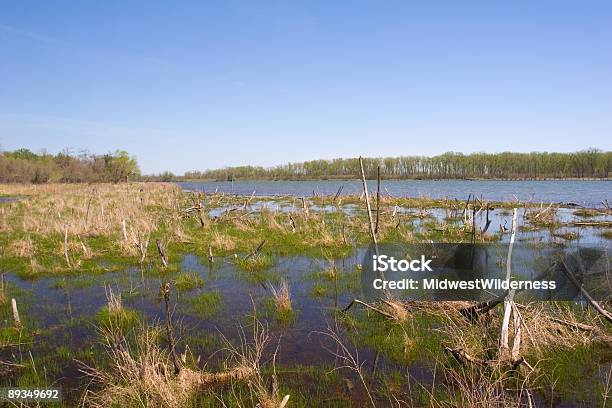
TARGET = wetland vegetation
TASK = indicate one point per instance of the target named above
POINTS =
(143, 294)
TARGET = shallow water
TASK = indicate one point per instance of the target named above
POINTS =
(63, 309)
(582, 192)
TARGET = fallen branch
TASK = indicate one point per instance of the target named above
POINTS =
(375, 309)
(461, 356)
(256, 251)
(586, 294)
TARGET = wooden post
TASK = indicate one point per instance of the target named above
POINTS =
(504, 348)
(66, 248)
(162, 253)
(165, 292)
(367, 199)
(15, 313)
(377, 198)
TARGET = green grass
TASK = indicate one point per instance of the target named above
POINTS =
(206, 304)
(188, 281)
(255, 263)
(124, 319)
(569, 372)
(282, 317)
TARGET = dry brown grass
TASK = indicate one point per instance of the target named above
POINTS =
(223, 242)
(23, 248)
(114, 303)
(142, 374)
(282, 296)
(397, 310)
(479, 388)
(101, 209)
(3, 296)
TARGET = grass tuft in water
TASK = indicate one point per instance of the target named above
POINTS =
(206, 304)
(188, 281)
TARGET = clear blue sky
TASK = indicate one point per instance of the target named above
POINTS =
(196, 85)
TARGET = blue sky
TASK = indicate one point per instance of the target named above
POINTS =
(197, 85)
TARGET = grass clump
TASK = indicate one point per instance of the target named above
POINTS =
(141, 373)
(586, 212)
(114, 314)
(206, 304)
(281, 304)
(607, 234)
(255, 263)
(188, 281)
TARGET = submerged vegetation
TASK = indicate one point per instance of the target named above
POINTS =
(98, 253)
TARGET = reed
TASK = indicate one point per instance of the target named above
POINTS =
(282, 296)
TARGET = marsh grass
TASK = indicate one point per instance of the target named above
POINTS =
(140, 372)
(586, 212)
(114, 314)
(606, 234)
(206, 304)
(255, 263)
(564, 356)
(113, 227)
(187, 281)
(3, 294)
(281, 302)
(118, 224)
(282, 296)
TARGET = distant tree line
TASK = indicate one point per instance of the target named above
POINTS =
(24, 166)
(590, 163)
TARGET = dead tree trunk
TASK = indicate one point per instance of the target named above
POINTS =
(377, 199)
(509, 306)
(369, 209)
(165, 292)
(162, 253)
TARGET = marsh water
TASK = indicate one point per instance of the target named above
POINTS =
(62, 310)
(582, 192)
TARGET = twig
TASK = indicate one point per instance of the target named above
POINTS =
(586, 294)
(367, 199)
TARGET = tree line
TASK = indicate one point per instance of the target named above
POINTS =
(589, 163)
(24, 166)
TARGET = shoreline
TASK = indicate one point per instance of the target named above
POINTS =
(386, 179)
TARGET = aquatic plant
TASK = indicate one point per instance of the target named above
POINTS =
(188, 281)
(281, 296)
(206, 304)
